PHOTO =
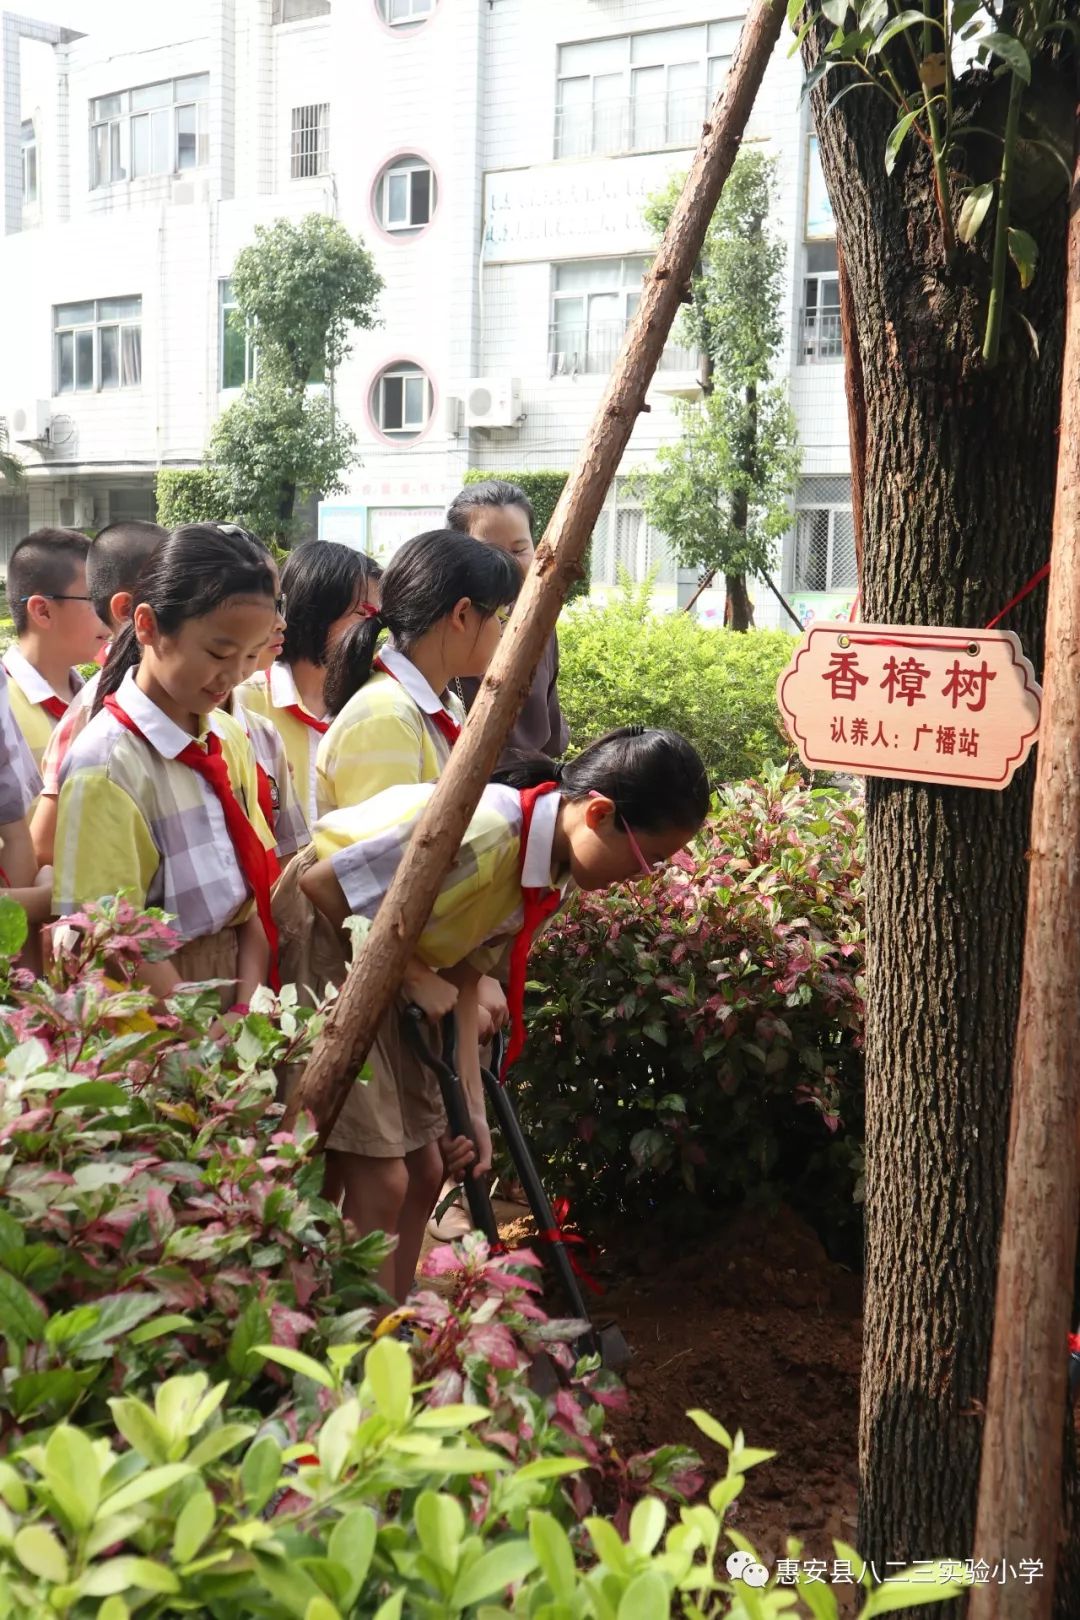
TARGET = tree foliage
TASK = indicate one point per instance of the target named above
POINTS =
(720, 491)
(303, 289)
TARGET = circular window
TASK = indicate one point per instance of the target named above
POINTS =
(405, 196)
(404, 16)
(401, 402)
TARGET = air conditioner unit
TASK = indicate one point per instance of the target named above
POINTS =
(452, 414)
(29, 423)
(493, 402)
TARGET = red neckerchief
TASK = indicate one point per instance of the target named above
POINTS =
(537, 904)
(101, 657)
(443, 721)
(247, 845)
(54, 706)
(321, 726)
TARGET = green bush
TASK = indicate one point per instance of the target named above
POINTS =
(191, 495)
(623, 663)
(543, 490)
(695, 1038)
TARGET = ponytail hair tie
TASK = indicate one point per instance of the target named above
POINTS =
(557, 772)
(635, 730)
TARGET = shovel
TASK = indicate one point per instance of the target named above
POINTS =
(606, 1341)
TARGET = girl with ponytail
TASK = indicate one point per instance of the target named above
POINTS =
(159, 793)
(622, 807)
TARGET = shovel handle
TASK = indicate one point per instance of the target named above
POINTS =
(457, 1114)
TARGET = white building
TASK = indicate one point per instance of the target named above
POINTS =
(494, 154)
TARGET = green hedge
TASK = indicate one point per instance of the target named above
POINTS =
(190, 495)
(622, 663)
(543, 490)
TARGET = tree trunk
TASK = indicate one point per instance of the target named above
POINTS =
(738, 609)
(957, 507)
(286, 504)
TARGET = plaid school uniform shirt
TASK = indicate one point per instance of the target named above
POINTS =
(273, 694)
(64, 733)
(29, 692)
(132, 817)
(289, 825)
(479, 906)
(385, 736)
(20, 783)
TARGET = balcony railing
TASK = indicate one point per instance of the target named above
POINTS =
(631, 123)
(573, 350)
(821, 336)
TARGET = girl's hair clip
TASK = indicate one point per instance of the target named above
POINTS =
(636, 730)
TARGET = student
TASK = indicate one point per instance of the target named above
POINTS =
(500, 514)
(327, 589)
(442, 597)
(116, 559)
(19, 786)
(444, 601)
(624, 805)
(159, 793)
(56, 626)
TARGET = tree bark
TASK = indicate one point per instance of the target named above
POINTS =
(1020, 1491)
(375, 975)
(738, 609)
(958, 501)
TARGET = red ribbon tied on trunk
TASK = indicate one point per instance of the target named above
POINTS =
(572, 1242)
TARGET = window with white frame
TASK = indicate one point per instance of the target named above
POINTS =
(310, 151)
(401, 401)
(237, 353)
(161, 128)
(592, 301)
(640, 92)
(405, 195)
(286, 11)
(405, 13)
(821, 335)
(823, 557)
(29, 164)
(97, 345)
(625, 542)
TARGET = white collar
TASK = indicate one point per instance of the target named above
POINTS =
(407, 675)
(539, 859)
(283, 689)
(161, 733)
(30, 681)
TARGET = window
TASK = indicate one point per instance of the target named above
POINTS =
(132, 501)
(401, 402)
(310, 140)
(623, 541)
(405, 195)
(821, 336)
(299, 10)
(29, 164)
(159, 128)
(405, 13)
(641, 91)
(236, 342)
(820, 224)
(98, 345)
(824, 552)
(592, 301)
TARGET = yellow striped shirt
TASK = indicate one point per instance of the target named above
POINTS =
(29, 690)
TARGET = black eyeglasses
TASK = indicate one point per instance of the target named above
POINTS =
(56, 596)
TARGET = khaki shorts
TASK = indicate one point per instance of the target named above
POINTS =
(211, 957)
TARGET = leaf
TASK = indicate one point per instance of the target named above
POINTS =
(1023, 251)
(819, 1598)
(505, 1565)
(835, 11)
(793, 10)
(899, 25)
(58, 1390)
(252, 1329)
(896, 138)
(41, 1552)
(975, 208)
(388, 1370)
(117, 1314)
(440, 1526)
(709, 1426)
(336, 1438)
(218, 1442)
(160, 1326)
(73, 1476)
(140, 1428)
(21, 1317)
(450, 1417)
(154, 1482)
(554, 1553)
(1010, 51)
(93, 1094)
(391, 1609)
(194, 1523)
(550, 1468)
(859, 84)
(913, 1587)
(352, 1544)
(647, 1523)
(260, 1472)
(645, 1597)
(297, 1362)
(321, 1608)
(14, 927)
(118, 1575)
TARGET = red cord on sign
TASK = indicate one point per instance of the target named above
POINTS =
(560, 1208)
(883, 641)
(1036, 579)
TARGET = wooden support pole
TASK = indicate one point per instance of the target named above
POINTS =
(376, 974)
(856, 406)
(1020, 1483)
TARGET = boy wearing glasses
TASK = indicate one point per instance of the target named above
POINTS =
(57, 628)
